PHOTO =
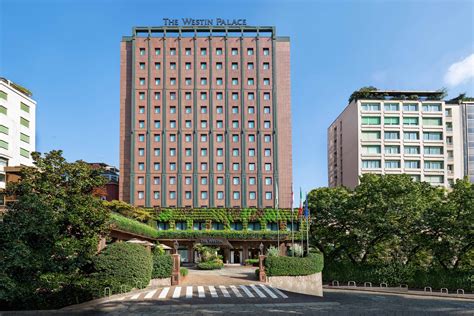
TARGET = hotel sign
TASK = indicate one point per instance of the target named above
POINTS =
(204, 22)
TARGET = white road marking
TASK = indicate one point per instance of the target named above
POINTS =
(136, 296)
(246, 290)
(272, 295)
(213, 291)
(189, 292)
(224, 291)
(279, 292)
(235, 290)
(150, 294)
(164, 293)
(201, 291)
(177, 292)
(259, 293)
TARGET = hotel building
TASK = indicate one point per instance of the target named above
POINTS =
(205, 117)
(17, 131)
(408, 132)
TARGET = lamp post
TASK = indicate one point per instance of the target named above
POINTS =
(261, 248)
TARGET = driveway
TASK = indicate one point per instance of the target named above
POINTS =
(229, 275)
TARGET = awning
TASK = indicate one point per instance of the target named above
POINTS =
(214, 241)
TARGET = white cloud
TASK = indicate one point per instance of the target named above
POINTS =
(460, 71)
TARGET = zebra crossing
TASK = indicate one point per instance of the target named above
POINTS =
(257, 291)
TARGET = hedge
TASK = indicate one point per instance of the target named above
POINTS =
(122, 264)
(210, 265)
(231, 234)
(294, 266)
(162, 266)
(130, 225)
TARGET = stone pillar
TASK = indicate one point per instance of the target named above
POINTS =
(245, 254)
(282, 249)
(175, 273)
(227, 255)
(262, 277)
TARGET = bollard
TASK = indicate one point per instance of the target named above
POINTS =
(123, 288)
(429, 288)
(105, 291)
(368, 283)
(444, 290)
(351, 283)
(383, 284)
(335, 282)
(460, 292)
(404, 287)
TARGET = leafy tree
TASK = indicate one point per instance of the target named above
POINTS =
(363, 93)
(130, 211)
(50, 234)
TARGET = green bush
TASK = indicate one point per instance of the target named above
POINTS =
(257, 274)
(293, 266)
(183, 271)
(253, 262)
(162, 266)
(122, 264)
(211, 265)
(273, 251)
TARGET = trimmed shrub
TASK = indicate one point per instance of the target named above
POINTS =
(211, 265)
(183, 271)
(294, 266)
(253, 262)
(273, 251)
(122, 264)
(162, 266)
(257, 274)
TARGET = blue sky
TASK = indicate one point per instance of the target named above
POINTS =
(67, 53)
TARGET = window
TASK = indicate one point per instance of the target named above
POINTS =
(157, 137)
(219, 110)
(172, 65)
(268, 195)
(172, 166)
(235, 152)
(220, 196)
(251, 166)
(172, 180)
(203, 152)
(3, 129)
(251, 138)
(203, 96)
(391, 120)
(252, 195)
(250, 51)
(187, 110)
(141, 95)
(142, 52)
(156, 196)
(203, 138)
(267, 138)
(253, 225)
(187, 195)
(203, 66)
(3, 110)
(24, 107)
(412, 150)
(235, 110)
(25, 138)
(141, 137)
(187, 180)
(268, 167)
(392, 164)
(25, 153)
(370, 106)
(157, 124)
(266, 51)
(141, 152)
(266, 96)
(157, 152)
(412, 164)
(272, 226)
(431, 150)
(156, 181)
(141, 166)
(3, 95)
(219, 138)
(267, 152)
(203, 52)
(413, 121)
(370, 120)
(220, 167)
(251, 96)
(172, 152)
(187, 166)
(434, 179)
(432, 121)
(391, 107)
(219, 82)
(251, 124)
(203, 124)
(172, 138)
(3, 144)
(173, 95)
(372, 149)
(199, 225)
(157, 110)
(157, 51)
(266, 109)
(412, 107)
(432, 136)
(219, 96)
(156, 166)
(218, 66)
(252, 180)
(251, 152)
(173, 81)
(411, 136)
(235, 96)
(235, 81)
(157, 66)
(162, 225)
(370, 135)
(157, 96)
(141, 195)
(142, 66)
(370, 164)
(235, 66)
(391, 135)
(187, 152)
(187, 66)
(392, 150)
(235, 167)
(266, 124)
(172, 51)
(268, 181)
(187, 138)
(266, 82)
(187, 51)
(188, 81)
(235, 138)
(203, 109)
(204, 195)
(203, 81)
(432, 107)
(266, 66)
(234, 51)
(220, 152)
(250, 66)
(433, 164)
(157, 81)
(180, 225)
(218, 51)
(220, 124)
(236, 225)
(203, 166)
(235, 181)
(250, 82)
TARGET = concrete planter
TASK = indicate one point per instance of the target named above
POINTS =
(306, 284)
(160, 282)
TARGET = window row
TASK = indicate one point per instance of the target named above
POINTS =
(408, 164)
(204, 152)
(204, 166)
(204, 81)
(204, 195)
(204, 95)
(201, 225)
(393, 135)
(24, 107)
(204, 137)
(204, 180)
(204, 110)
(204, 124)
(395, 120)
(412, 107)
(395, 149)
(203, 51)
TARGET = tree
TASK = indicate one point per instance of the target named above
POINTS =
(50, 234)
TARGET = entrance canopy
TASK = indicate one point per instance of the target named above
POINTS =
(214, 241)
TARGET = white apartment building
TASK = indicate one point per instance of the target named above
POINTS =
(17, 127)
(398, 132)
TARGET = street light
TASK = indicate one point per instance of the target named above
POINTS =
(175, 246)
(261, 248)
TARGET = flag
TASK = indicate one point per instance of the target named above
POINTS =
(276, 196)
(300, 209)
(306, 209)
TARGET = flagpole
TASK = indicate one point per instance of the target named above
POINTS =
(300, 213)
(292, 225)
(278, 218)
(306, 210)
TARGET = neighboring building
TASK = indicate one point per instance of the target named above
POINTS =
(205, 117)
(17, 129)
(411, 132)
(110, 191)
(468, 121)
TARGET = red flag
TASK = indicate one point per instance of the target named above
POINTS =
(300, 209)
